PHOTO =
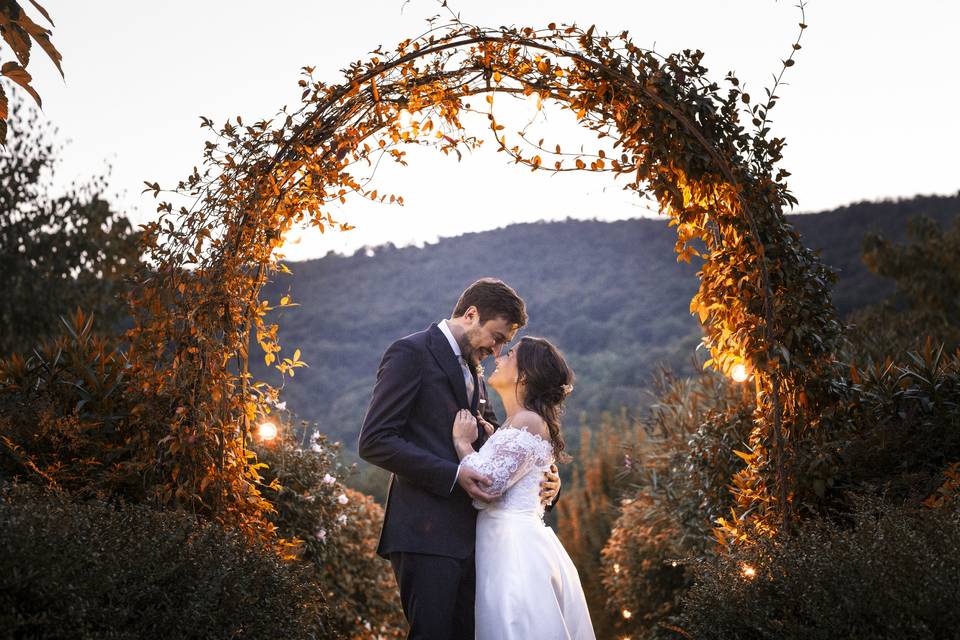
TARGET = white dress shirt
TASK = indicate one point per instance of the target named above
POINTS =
(444, 326)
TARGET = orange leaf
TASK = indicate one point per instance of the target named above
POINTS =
(20, 75)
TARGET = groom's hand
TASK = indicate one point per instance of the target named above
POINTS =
(475, 484)
(550, 486)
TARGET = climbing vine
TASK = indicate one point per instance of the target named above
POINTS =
(702, 148)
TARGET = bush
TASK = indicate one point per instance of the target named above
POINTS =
(642, 571)
(66, 415)
(90, 570)
(894, 574)
(887, 429)
(338, 529)
(588, 508)
(891, 427)
(69, 419)
(680, 472)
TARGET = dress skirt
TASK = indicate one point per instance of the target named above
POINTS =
(527, 586)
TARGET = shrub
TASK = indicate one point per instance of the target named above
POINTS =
(90, 570)
(890, 427)
(338, 529)
(587, 509)
(73, 415)
(680, 470)
(642, 571)
(69, 418)
(894, 574)
(66, 416)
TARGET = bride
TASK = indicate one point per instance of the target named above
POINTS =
(527, 587)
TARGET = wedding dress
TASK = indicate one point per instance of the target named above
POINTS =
(527, 586)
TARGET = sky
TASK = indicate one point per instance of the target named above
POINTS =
(869, 111)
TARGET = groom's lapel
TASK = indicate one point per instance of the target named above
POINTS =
(447, 360)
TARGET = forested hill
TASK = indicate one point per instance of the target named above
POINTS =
(610, 294)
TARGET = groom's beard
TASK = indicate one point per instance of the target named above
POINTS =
(470, 356)
(475, 356)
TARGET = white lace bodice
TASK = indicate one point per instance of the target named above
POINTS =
(514, 459)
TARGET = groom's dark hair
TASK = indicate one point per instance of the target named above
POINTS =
(493, 299)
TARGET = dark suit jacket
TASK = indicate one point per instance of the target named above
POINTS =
(407, 431)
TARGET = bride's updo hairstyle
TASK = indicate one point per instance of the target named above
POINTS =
(548, 379)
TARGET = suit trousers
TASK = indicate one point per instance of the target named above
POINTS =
(437, 594)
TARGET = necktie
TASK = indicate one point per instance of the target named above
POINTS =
(467, 379)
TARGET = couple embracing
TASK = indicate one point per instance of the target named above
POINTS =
(463, 526)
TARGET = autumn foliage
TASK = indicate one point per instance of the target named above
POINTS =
(875, 495)
(704, 152)
(676, 488)
(19, 31)
(589, 508)
(169, 420)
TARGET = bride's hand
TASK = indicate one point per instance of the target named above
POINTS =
(486, 425)
(550, 486)
(465, 427)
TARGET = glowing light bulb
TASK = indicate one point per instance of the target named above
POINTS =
(748, 571)
(534, 101)
(267, 431)
(405, 119)
(627, 614)
(738, 373)
(616, 568)
(673, 563)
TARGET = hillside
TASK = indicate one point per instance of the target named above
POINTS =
(609, 293)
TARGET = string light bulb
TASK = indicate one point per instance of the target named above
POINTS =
(739, 372)
(405, 119)
(267, 431)
(627, 614)
(748, 571)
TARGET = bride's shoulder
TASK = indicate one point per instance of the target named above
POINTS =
(531, 422)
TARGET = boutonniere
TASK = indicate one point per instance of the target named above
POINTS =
(479, 369)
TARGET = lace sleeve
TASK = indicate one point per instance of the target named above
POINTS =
(506, 457)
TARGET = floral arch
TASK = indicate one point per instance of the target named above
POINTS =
(704, 153)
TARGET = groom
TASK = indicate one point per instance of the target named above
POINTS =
(429, 525)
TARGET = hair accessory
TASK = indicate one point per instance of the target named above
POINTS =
(567, 389)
